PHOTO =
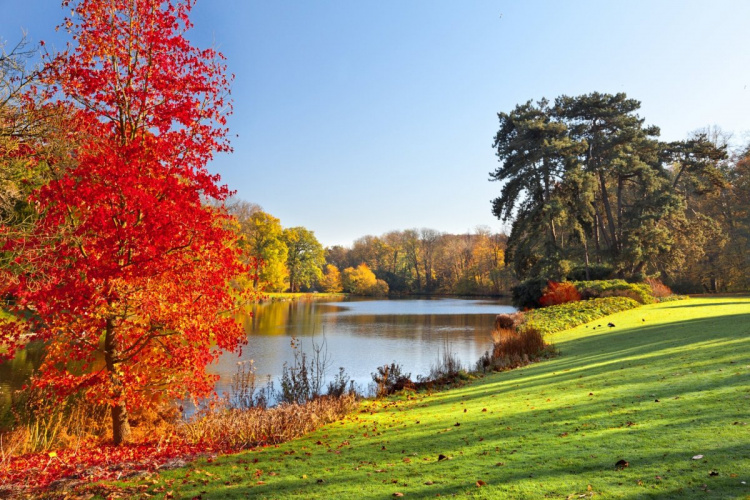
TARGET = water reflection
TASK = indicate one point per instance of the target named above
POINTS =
(364, 334)
(14, 374)
(360, 335)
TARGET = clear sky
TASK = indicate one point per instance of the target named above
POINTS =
(358, 117)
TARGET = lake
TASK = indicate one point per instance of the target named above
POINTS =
(359, 335)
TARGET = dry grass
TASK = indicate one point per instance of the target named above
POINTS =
(44, 423)
(235, 429)
(517, 346)
(515, 343)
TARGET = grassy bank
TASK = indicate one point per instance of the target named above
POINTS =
(669, 382)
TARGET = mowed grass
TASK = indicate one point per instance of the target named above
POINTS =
(669, 382)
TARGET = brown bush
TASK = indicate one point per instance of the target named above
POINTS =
(659, 289)
(515, 344)
(508, 320)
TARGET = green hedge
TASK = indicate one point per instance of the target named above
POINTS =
(561, 317)
(615, 288)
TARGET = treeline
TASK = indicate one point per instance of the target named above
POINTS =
(415, 261)
(426, 261)
(593, 193)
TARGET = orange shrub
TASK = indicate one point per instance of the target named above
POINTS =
(559, 293)
(659, 289)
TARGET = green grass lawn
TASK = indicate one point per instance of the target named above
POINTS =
(669, 382)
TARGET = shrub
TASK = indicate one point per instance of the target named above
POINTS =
(559, 293)
(673, 298)
(508, 320)
(658, 289)
(390, 379)
(447, 367)
(561, 317)
(596, 272)
(341, 385)
(526, 294)
(639, 292)
(302, 381)
(517, 346)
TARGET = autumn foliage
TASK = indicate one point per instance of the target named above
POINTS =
(559, 293)
(125, 274)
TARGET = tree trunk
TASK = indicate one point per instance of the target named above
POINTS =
(596, 239)
(119, 411)
(610, 218)
(586, 255)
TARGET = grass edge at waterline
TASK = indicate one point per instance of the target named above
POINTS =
(667, 383)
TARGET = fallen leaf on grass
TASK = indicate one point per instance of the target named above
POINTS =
(481, 483)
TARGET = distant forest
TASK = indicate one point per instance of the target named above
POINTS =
(590, 192)
(414, 261)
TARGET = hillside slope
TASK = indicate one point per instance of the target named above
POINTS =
(669, 382)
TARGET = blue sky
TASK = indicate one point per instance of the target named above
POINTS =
(360, 117)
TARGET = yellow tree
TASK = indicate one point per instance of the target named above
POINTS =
(331, 280)
(362, 281)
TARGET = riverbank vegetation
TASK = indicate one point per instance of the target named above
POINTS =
(646, 408)
(126, 260)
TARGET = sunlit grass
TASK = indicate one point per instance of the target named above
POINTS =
(667, 383)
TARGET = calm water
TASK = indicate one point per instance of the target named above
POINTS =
(359, 335)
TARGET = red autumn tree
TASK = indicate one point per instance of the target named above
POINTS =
(129, 269)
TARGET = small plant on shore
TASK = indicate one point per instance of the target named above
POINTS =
(341, 385)
(302, 381)
(244, 392)
(446, 370)
(390, 379)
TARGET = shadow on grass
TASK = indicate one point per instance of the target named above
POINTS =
(548, 429)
